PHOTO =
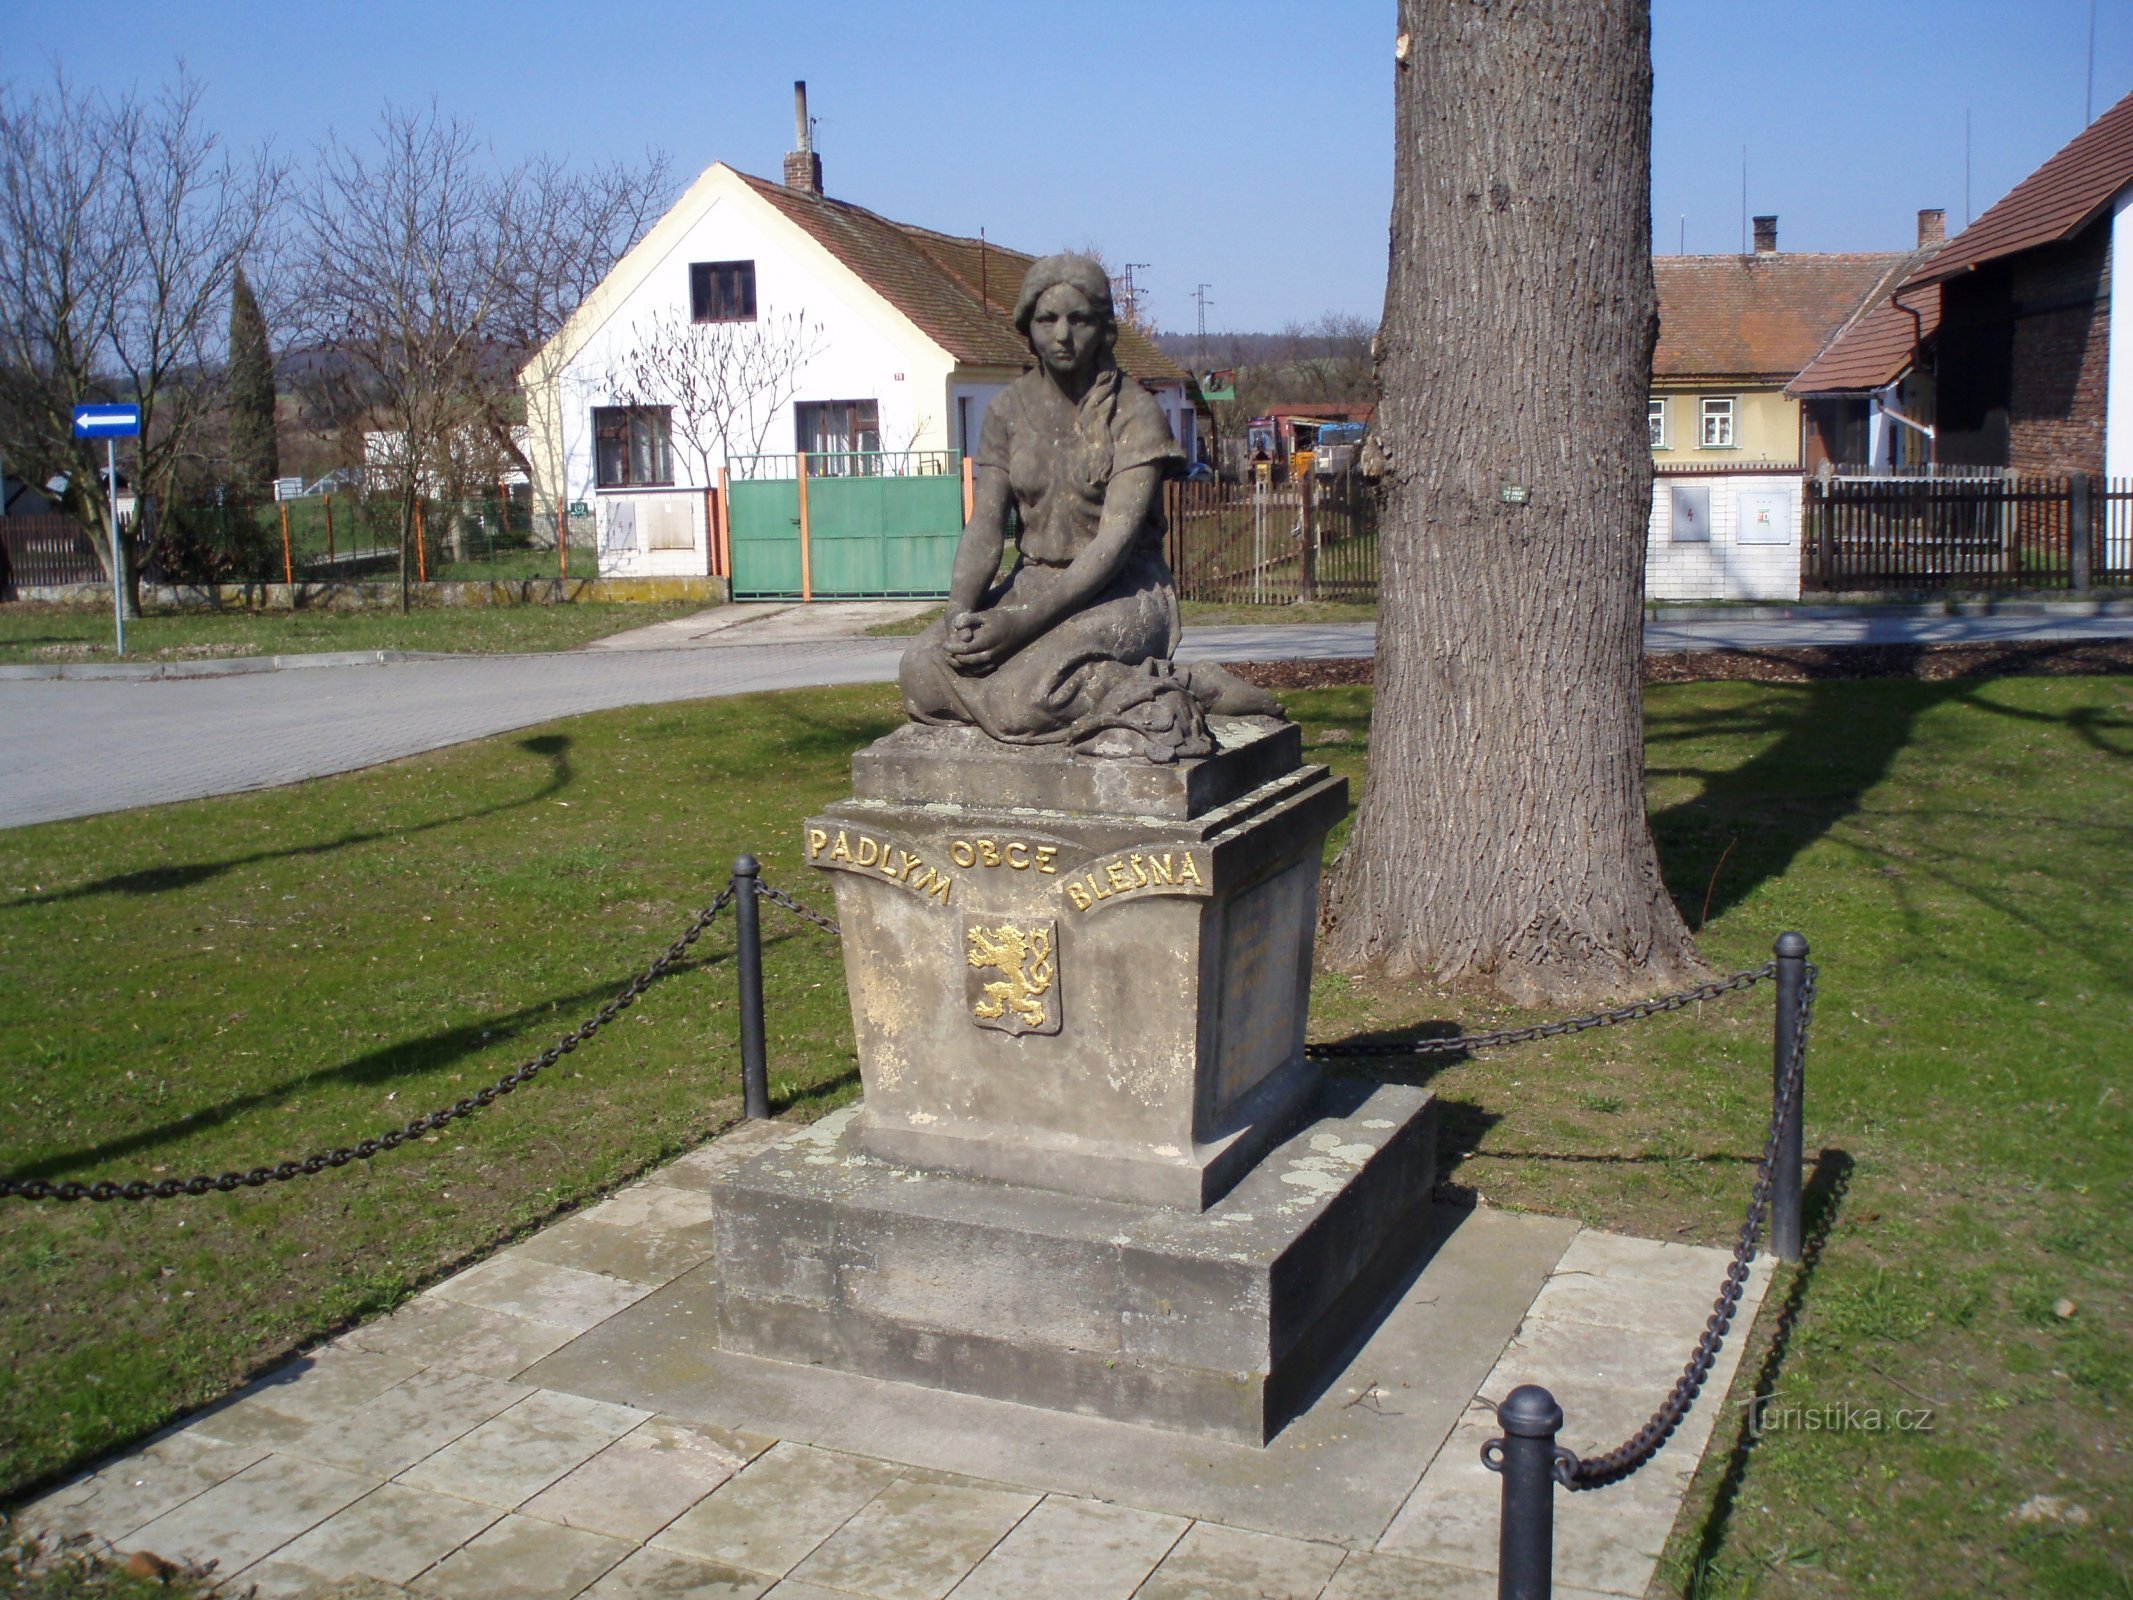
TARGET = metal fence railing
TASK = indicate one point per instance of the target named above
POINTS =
(786, 465)
(319, 539)
(1261, 544)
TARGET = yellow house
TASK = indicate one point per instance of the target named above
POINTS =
(1733, 331)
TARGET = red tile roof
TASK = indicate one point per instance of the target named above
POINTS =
(2060, 198)
(1880, 344)
(960, 292)
(1760, 316)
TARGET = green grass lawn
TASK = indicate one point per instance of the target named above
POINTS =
(233, 981)
(84, 633)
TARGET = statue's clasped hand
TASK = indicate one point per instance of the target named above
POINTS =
(978, 641)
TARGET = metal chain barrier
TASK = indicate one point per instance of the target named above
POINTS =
(393, 1138)
(1550, 1030)
(1598, 1471)
(1435, 1047)
(778, 897)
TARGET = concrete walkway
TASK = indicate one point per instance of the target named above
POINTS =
(553, 1422)
(90, 743)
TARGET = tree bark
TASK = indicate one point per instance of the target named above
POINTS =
(1502, 832)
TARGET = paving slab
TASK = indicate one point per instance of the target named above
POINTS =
(394, 1534)
(450, 1335)
(650, 1234)
(523, 1558)
(916, 1540)
(522, 1285)
(327, 1386)
(770, 1517)
(514, 1456)
(392, 1432)
(136, 1489)
(666, 1575)
(1213, 1562)
(244, 1518)
(1072, 1549)
(646, 1478)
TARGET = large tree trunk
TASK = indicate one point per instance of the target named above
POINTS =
(1502, 832)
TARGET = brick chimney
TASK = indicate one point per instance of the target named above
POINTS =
(1932, 226)
(1766, 236)
(803, 168)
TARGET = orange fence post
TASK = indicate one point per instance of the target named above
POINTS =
(970, 498)
(725, 525)
(422, 560)
(288, 568)
(329, 527)
(807, 577)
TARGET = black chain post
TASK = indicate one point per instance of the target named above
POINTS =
(1531, 1463)
(748, 935)
(1785, 1235)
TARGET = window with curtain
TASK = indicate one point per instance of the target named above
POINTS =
(632, 446)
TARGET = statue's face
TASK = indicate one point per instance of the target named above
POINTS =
(1065, 330)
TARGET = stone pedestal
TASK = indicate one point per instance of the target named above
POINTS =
(1075, 973)
(1093, 1171)
(1221, 1322)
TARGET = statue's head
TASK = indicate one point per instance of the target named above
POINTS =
(1065, 312)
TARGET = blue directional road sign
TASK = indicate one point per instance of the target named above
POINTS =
(107, 422)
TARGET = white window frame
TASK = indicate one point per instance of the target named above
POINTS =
(1723, 409)
(1655, 416)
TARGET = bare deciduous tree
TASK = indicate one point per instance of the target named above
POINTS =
(1502, 832)
(430, 273)
(725, 381)
(405, 280)
(121, 226)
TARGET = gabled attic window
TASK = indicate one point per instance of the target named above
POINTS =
(722, 291)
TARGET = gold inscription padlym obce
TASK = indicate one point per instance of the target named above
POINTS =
(1024, 997)
(851, 850)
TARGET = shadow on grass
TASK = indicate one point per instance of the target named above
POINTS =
(554, 747)
(1821, 1199)
(405, 1058)
(1832, 744)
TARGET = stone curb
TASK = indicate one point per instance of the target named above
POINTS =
(1936, 608)
(235, 666)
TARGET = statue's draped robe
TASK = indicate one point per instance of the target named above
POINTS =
(1106, 665)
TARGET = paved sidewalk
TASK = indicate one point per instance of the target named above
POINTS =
(553, 1422)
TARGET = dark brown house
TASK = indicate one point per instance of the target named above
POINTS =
(2022, 357)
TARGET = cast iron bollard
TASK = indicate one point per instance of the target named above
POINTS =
(748, 937)
(1526, 1456)
(1791, 953)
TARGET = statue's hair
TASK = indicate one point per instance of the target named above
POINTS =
(1079, 272)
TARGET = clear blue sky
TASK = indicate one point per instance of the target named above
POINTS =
(1236, 142)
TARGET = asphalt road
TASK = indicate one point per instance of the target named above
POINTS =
(76, 747)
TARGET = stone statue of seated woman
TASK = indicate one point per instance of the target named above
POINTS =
(1074, 645)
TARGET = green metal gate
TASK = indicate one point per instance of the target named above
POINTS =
(879, 525)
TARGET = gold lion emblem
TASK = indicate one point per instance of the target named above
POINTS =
(1016, 1000)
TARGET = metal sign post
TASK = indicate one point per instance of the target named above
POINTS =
(112, 423)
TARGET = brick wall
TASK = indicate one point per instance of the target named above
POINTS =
(1723, 568)
(2061, 342)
